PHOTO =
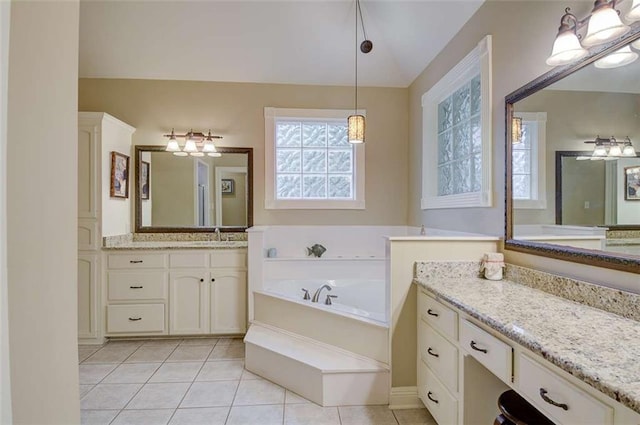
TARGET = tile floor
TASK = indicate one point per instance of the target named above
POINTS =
(202, 381)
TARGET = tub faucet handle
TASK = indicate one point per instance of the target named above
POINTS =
(306, 295)
(328, 300)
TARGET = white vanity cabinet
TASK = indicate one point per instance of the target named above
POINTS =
(98, 135)
(463, 366)
(200, 291)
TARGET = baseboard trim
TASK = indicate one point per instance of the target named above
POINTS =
(404, 398)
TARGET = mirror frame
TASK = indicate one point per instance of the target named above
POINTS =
(160, 229)
(627, 263)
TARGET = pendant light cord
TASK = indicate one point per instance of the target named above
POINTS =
(364, 32)
(356, 50)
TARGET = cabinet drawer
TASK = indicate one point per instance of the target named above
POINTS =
(137, 261)
(229, 258)
(148, 285)
(135, 318)
(188, 260)
(536, 381)
(438, 315)
(442, 405)
(439, 354)
(494, 354)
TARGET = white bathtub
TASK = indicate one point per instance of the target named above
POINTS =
(363, 299)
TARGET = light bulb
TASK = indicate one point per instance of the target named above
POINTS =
(604, 25)
(634, 12)
(620, 57)
(566, 49)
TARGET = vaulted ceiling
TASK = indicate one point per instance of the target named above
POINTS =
(290, 41)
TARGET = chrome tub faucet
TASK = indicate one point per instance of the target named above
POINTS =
(316, 296)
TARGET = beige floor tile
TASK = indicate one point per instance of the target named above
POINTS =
(94, 373)
(97, 417)
(366, 415)
(177, 372)
(143, 417)
(132, 373)
(200, 341)
(414, 417)
(125, 343)
(200, 416)
(210, 394)
(248, 375)
(109, 396)
(151, 354)
(84, 351)
(230, 340)
(224, 370)
(293, 398)
(252, 415)
(190, 353)
(310, 414)
(115, 353)
(227, 351)
(159, 396)
(84, 389)
(254, 392)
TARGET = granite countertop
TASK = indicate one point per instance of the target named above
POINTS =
(598, 347)
(177, 245)
(623, 241)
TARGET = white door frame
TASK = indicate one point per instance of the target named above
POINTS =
(5, 381)
(207, 208)
(219, 172)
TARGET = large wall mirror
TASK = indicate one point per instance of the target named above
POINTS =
(560, 201)
(193, 194)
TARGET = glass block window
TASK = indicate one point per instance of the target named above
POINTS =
(309, 162)
(528, 162)
(456, 135)
(460, 140)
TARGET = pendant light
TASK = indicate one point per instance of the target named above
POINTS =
(356, 122)
(604, 24)
(566, 47)
(516, 130)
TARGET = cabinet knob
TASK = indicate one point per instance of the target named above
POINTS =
(201, 280)
(213, 279)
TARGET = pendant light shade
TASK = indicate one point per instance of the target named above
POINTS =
(620, 57)
(566, 49)
(604, 25)
(636, 44)
(190, 146)
(634, 12)
(355, 129)
(516, 130)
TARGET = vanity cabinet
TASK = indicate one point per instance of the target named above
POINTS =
(463, 366)
(98, 134)
(190, 292)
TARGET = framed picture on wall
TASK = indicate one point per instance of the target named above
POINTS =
(119, 175)
(227, 186)
(144, 180)
(632, 183)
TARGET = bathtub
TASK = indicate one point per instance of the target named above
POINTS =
(362, 299)
(356, 321)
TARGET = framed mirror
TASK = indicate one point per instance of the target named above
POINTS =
(561, 201)
(193, 194)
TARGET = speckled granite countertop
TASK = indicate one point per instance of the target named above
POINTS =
(151, 245)
(598, 347)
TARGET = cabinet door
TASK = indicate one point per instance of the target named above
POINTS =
(188, 302)
(228, 301)
(88, 172)
(88, 266)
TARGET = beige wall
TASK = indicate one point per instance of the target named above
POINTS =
(572, 118)
(583, 181)
(173, 185)
(236, 111)
(234, 210)
(42, 211)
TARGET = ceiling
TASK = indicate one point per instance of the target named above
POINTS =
(265, 41)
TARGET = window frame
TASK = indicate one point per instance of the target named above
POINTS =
(538, 165)
(479, 59)
(271, 115)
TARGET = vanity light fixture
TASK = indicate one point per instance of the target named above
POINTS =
(603, 25)
(356, 122)
(196, 144)
(611, 149)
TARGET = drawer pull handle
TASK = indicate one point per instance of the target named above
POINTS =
(431, 398)
(543, 394)
(135, 261)
(432, 313)
(475, 347)
(432, 353)
(136, 287)
(135, 319)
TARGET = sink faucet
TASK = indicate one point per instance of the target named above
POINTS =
(217, 231)
(316, 296)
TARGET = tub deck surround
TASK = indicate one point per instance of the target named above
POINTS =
(598, 347)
